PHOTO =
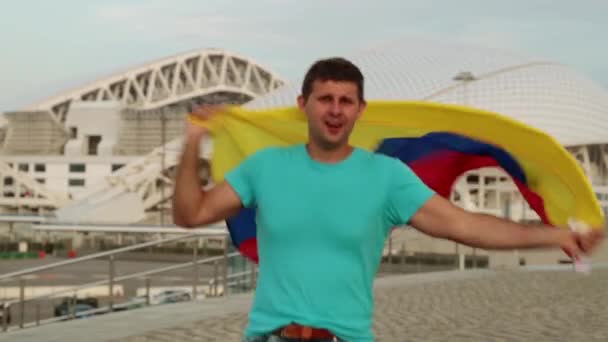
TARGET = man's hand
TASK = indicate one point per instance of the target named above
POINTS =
(202, 112)
(575, 243)
(192, 205)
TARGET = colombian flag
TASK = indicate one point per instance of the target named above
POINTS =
(438, 142)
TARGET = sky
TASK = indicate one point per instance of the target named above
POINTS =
(52, 46)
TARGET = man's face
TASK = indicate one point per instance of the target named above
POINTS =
(332, 109)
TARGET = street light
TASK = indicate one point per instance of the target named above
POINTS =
(465, 77)
(163, 142)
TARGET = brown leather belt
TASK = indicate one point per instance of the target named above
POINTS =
(303, 332)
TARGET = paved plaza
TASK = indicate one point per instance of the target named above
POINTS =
(533, 305)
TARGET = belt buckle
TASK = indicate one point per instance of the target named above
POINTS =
(296, 331)
(306, 333)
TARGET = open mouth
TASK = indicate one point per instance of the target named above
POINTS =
(334, 127)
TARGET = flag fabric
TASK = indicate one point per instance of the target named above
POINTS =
(438, 142)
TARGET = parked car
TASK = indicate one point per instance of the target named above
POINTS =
(80, 311)
(163, 297)
(62, 308)
(170, 296)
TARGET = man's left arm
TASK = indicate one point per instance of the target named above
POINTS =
(439, 218)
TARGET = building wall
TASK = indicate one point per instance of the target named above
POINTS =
(93, 119)
(71, 175)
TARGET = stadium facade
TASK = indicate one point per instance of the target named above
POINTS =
(106, 151)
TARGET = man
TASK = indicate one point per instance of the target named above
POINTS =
(324, 210)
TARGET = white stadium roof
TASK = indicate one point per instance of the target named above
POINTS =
(545, 94)
(170, 80)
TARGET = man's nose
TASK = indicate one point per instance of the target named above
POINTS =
(335, 108)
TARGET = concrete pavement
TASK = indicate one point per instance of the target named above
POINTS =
(553, 304)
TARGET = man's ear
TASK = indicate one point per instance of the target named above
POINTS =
(301, 102)
(362, 107)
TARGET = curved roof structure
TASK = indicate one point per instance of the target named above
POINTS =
(541, 93)
(170, 80)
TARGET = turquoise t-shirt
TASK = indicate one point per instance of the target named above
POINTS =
(321, 229)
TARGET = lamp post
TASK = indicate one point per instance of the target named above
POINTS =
(465, 77)
(163, 141)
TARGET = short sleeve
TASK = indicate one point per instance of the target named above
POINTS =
(242, 178)
(406, 194)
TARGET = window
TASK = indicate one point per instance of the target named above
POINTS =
(117, 166)
(8, 181)
(489, 180)
(24, 167)
(77, 168)
(93, 142)
(76, 182)
(40, 180)
(73, 132)
(40, 167)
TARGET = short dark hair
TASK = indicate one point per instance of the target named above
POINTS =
(334, 69)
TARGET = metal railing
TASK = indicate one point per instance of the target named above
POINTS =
(217, 282)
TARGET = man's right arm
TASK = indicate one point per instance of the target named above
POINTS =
(193, 206)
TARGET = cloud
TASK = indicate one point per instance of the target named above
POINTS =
(161, 20)
(285, 35)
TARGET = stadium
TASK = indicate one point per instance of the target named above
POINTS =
(105, 152)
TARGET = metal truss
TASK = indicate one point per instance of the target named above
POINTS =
(144, 177)
(19, 190)
(177, 79)
(192, 76)
(173, 80)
